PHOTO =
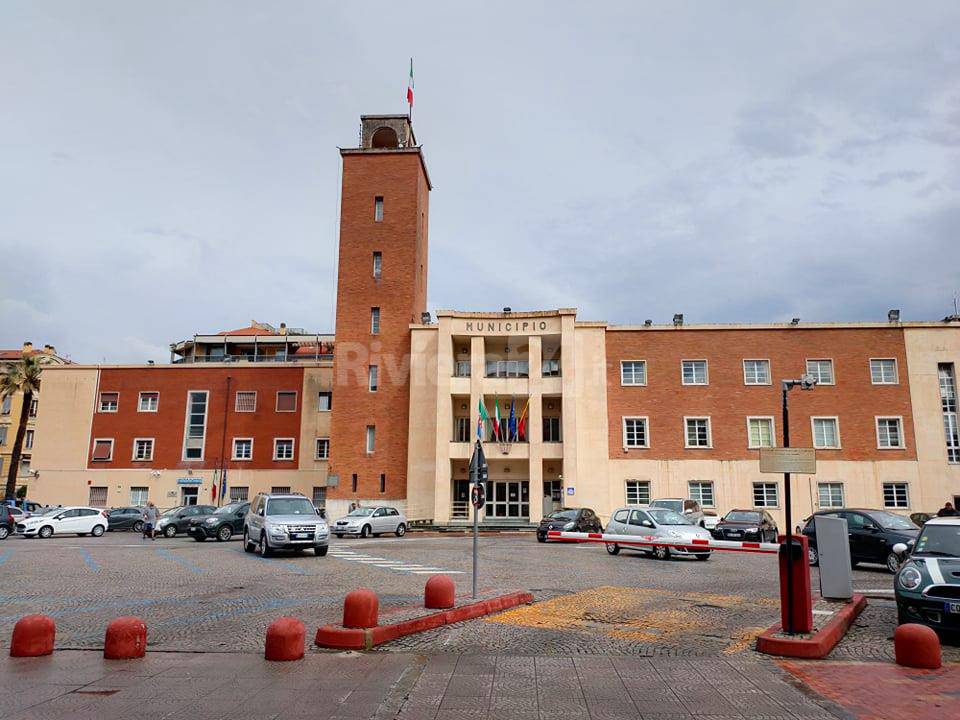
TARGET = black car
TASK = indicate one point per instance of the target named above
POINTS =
(752, 525)
(570, 520)
(8, 522)
(220, 524)
(127, 518)
(177, 520)
(873, 533)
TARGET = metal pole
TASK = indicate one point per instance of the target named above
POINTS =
(476, 512)
(789, 518)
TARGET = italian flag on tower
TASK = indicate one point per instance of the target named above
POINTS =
(410, 88)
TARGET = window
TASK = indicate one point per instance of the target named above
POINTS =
(883, 371)
(5, 407)
(889, 433)
(374, 320)
(461, 432)
(383, 483)
(948, 403)
(353, 483)
(830, 494)
(28, 440)
(149, 402)
(697, 432)
(196, 425)
(826, 432)
(283, 449)
(246, 401)
(34, 404)
(550, 368)
(378, 209)
(635, 432)
(109, 402)
(372, 378)
(3, 434)
(760, 432)
(280, 490)
(461, 368)
(756, 372)
(319, 496)
(323, 449)
(371, 438)
(139, 496)
(98, 496)
(766, 495)
(896, 495)
(638, 492)
(694, 372)
(633, 372)
(242, 449)
(239, 493)
(324, 401)
(377, 264)
(551, 429)
(286, 401)
(822, 371)
(103, 450)
(24, 465)
(701, 491)
(143, 449)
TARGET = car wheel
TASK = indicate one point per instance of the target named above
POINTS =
(541, 538)
(265, 550)
(4, 532)
(224, 533)
(169, 531)
(138, 526)
(365, 531)
(97, 530)
(320, 550)
(45, 532)
(813, 556)
(661, 552)
(613, 549)
(702, 556)
(401, 530)
(339, 536)
(247, 545)
(893, 563)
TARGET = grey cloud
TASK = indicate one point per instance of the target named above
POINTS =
(885, 178)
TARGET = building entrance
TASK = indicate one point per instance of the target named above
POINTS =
(508, 500)
(189, 495)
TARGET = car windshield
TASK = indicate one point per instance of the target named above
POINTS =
(675, 505)
(228, 509)
(939, 540)
(662, 516)
(172, 511)
(563, 515)
(360, 512)
(290, 506)
(890, 521)
(742, 516)
(49, 511)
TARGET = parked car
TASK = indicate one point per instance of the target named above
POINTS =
(919, 518)
(927, 587)
(710, 519)
(369, 521)
(571, 520)
(65, 521)
(283, 522)
(221, 524)
(24, 508)
(873, 533)
(690, 509)
(177, 520)
(659, 524)
(127, 518)
(754, 525)
(8, 522)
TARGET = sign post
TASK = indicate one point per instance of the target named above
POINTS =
(478, 479)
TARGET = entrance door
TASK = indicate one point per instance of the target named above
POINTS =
(189, 495)
(508, 499)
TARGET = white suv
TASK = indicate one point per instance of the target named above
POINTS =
(283, 522)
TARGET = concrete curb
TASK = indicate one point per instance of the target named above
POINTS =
(820, 643)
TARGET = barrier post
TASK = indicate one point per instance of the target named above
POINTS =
(796, 603)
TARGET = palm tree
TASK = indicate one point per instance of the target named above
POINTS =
(20, 377)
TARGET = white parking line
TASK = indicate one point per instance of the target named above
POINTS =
(385, 564)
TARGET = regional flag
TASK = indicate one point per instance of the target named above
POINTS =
(482, 421)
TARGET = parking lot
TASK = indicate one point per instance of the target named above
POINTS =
(214, 597)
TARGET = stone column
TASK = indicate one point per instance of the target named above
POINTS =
(535, 429)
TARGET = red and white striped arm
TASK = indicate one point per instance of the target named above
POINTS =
(652, 541)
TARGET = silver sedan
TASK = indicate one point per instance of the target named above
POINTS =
(656, 524)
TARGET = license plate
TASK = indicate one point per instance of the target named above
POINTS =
(734, 533)
(953, 608)
(300, 536)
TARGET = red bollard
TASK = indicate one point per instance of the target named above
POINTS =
(439, 593)
(360, 609)
(285, 639)
(126, 639)
(33, 636)
(800, 586)
(917, 646)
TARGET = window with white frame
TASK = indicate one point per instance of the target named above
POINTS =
(28, 440)
(701, 491)
(883, 371)
(3, 434)
(286, 401)
(633, 372)
(196, 425)
(378, 208)
(242, 449)
(826, 432)
(377, 264)
(323, 449)
(374, 320)
(890, 433)
(638, 492)
(283, 449)
(372, 377)
(693, 372)
(948, 403)
(102, 450)
(324, 401)
(34, 404)
(139, 496)
(766, 494)
(246, 401)
(635, 432)
(5, 405)
(821, 370)
(830, 494)
(143, 449)
(756, 372)
(551, 429)
(371, 438)
(461, 430)
(239, 493)
(697, 433)
(148, 402)
(109, 401)
(896, 495)
(760, 432)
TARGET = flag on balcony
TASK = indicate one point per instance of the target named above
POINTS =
(512, 428)
(496, 417)
(482, 421)
(522, 424)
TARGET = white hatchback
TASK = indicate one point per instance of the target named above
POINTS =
(65, 521)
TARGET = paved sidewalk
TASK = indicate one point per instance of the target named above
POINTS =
(350, 686)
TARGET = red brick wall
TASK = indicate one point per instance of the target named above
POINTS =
(728, 401)
(167, 425)
(400, 294)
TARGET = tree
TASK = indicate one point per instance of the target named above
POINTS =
(20, 377)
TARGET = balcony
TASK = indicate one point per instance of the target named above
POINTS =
(461, 369)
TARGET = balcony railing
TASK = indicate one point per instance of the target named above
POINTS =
(250, 358)
(508, 368)
(460, 509)
(550, 368)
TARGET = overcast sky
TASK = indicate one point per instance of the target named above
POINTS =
(171, 167)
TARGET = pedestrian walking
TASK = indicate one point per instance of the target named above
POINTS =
(150, 517)
(947, 510)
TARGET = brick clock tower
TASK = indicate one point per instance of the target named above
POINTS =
(381, 290)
